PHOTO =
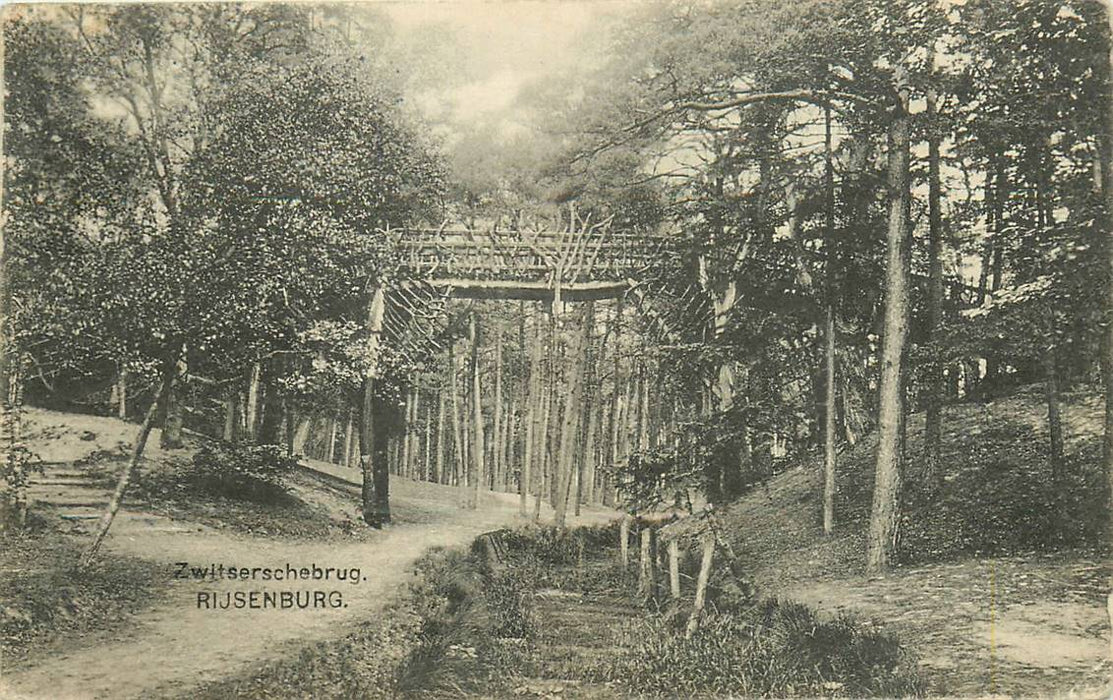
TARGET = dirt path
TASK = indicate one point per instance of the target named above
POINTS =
(1020, 627)
(175, 645)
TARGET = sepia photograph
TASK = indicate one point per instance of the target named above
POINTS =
(582, 349)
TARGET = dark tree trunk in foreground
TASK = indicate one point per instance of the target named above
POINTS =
(885, 513)
(373, 438)
(374, 442)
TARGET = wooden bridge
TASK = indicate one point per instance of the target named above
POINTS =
(584, 263)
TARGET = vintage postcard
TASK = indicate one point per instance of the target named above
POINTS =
(556, 349)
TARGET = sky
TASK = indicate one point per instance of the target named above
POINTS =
(504, 46)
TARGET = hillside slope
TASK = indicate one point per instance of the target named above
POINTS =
(1001, 586)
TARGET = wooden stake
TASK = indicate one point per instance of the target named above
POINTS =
(624, 541)
(701, 583)
(674, 568)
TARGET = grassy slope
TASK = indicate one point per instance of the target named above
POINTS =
(988, 599)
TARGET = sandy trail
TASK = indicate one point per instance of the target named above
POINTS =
(175, 646)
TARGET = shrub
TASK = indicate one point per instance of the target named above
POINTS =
(769, 649)
(243, 472)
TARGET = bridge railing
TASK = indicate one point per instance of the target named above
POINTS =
(533, 255)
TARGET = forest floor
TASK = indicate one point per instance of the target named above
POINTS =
(987, 612)
(170, 644)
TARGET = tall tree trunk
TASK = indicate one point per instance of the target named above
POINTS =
(646, 571)
(885, 512)
(231, 406)
(831, 395)
(330, 444)
(497, 426)
(587, 407)
(1054, 419)
(122, 395)
(594, 419)
(169, 375)
(1107, 335)
(171, 438)
(477, 406)
(301, 434)
(532, 397)
(569, 433)
(543, 445)
(438, 464)
(674, 568)
(349, 437)
(932, 475)
(510, 427)
(251, 414)
(457, 421)
(406, 465)
(372, 434)
(271, 423)
(427, 451)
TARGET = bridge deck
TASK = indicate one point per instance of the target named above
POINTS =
(529, 265)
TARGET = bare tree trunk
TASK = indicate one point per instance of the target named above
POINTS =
(438, 464)
(169, 375)
(933, 420)
(230, 409)
(1054, 419)
(543, 439)
(477, 407)
(330, 453)
(457, 422)
(590, 457)
(427, 462)
(122, 395)
(885, 512)
(624, 541)
(301, 434)
(251, 415)
(569, 433)
(171, 438)
(829, 428)
(1107, 335)
(349, 435)
(510, 427)
(533, 399)
(406, 465)
(497, 426)
(701, 584)
(645, 570)
(674, 568)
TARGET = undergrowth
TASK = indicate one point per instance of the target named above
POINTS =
(45, 599)
(458, 629)
(770, 649)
